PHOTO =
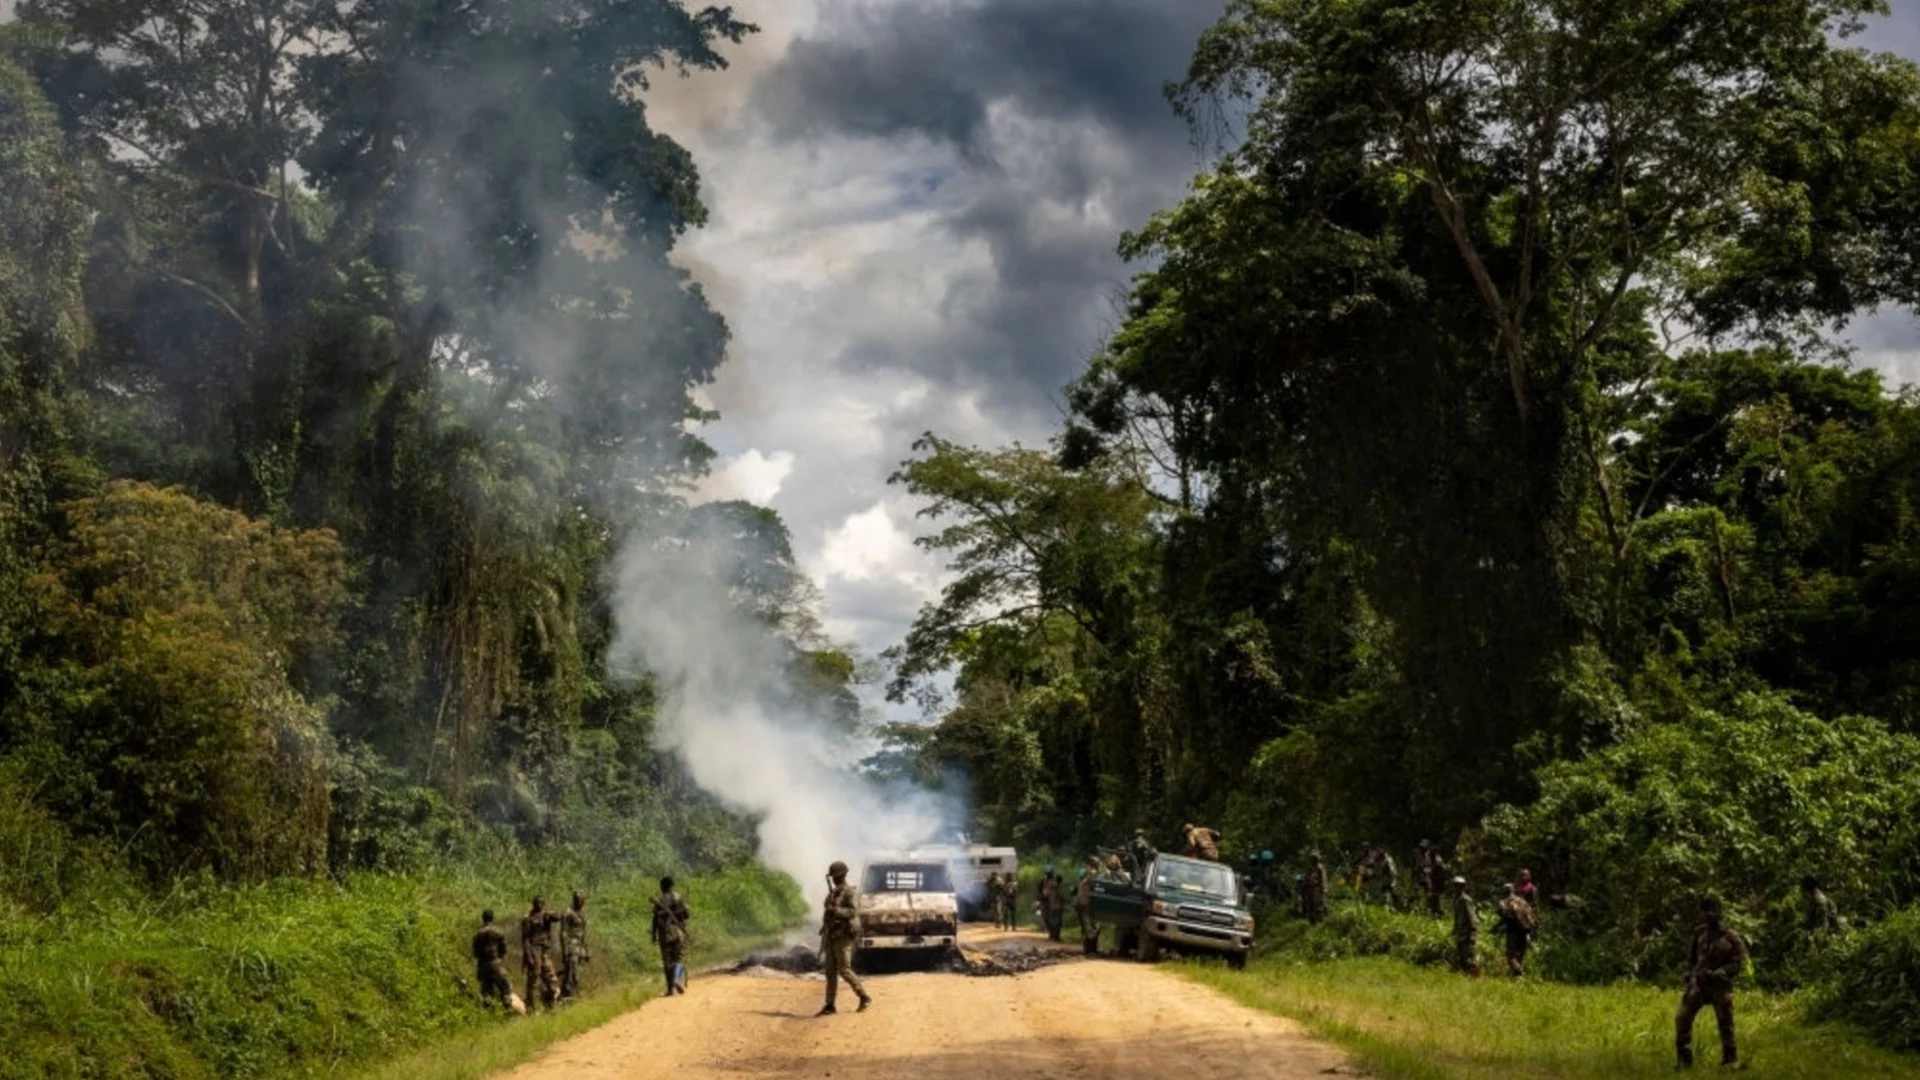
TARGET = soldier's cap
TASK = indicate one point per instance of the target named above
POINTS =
(838, 869)
(1139, 832)
(1457, 880)
(579, 898)
(1506, 890)
(1426, 843)
(1266, 856)
(539, 901)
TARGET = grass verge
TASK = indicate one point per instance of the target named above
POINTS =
(302, 979)
(1411, 1023)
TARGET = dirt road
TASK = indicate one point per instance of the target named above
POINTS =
(1073, 1019)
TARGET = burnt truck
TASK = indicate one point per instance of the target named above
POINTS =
(1176, 903)
(907, 910)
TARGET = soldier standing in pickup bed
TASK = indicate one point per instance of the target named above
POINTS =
(1143, 853)
(839, 929)
(1202, 842)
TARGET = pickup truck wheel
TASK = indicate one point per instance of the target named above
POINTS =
(1125, 942)
(1149, 948)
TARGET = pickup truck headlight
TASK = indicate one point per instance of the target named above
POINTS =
(1159, 908)
(1244, 922)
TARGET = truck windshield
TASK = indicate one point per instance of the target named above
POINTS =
(1194, 877)
(907, 877)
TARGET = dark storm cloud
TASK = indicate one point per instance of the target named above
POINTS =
(932, 69)
(1080, 82)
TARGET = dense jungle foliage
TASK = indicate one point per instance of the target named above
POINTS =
(1475, 462)
(340, 360)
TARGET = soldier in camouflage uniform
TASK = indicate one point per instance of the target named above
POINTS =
(1202, 842)
(1466, 929)
(490, 961)
(1006, 904)
(839, 929)
(1822, 916)
(536, 954)
(670, 917)
(1718, 955)
(1083, 906)
(1143, 853)
(1313, 890)
(573, 947)
(1517, 926)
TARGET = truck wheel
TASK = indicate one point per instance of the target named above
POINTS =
(1149, 948)
(1237, 961)
(1125, 942)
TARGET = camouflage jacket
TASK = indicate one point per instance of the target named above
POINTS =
(1466, 917)
(670, 917)
(489, 946)
(840, 917)
(1716, 958)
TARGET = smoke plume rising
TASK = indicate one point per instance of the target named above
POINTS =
(731, 713)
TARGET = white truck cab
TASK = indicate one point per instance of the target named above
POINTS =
(907, 904)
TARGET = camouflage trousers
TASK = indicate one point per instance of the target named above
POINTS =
(1517, 945)
(1720, 1000)
(1089, 930)
(541, 976)
(837, 956)
(493, 981)
(570, 964)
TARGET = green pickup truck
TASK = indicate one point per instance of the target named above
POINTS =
(1189, 905)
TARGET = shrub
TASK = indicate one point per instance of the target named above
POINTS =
(1740, 803)
(1876, 983)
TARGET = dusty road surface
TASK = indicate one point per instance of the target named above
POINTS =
(1076, 1018)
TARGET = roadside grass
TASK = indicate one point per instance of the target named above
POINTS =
(1422, 1023)
(310, 978)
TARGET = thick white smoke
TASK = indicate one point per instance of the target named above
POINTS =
(728, 711)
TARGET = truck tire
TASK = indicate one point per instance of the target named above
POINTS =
(1125, 942)
(1149, 948)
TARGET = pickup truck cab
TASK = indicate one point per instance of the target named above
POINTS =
(907, 907)
(1190, 905)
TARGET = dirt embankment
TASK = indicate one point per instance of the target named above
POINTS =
(1104, 1018)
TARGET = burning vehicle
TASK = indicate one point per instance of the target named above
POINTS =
(907, 910)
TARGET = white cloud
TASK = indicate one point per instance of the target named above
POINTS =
(753, 476)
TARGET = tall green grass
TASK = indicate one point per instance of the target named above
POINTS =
(1425, 1023)
(303, 978)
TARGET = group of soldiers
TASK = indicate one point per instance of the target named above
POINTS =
(547, 985)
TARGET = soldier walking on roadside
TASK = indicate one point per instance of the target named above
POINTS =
(839, 929)
(1466, 929)
(573, 947)
(1083, 906)
(670, 917)
(1518, 925)
(490, 962)
(1716, 958)
(536, 954)
(1313, 890)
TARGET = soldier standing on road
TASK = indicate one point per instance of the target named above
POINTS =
(1053, 902)
(1716, 958)
(1202, 842)
(573, 947)
(1009, 901)
(1313, 890)
(536, 949)
(993, 899)
(490, 962)
(1466, 929)
(839, 928)
(1083, 906)
(670, 917)
(1822, 916)
(1517, 925)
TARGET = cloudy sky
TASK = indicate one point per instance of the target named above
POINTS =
(915, 207)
